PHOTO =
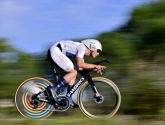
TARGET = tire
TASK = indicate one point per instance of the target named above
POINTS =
(111, 98)
(23, 96)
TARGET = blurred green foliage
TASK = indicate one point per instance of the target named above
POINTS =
(15, 66)
(77, 120)
(137, 63)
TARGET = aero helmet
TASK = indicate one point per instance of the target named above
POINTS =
(92, 44)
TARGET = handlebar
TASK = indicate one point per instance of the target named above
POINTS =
(101, 61)
(96, 63)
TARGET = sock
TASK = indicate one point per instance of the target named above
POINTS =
(62, 82)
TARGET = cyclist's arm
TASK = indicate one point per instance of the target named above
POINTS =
(81, 68)
(80, 60)
(81, 64)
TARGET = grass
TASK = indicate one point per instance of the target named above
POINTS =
(76, 120)
(10, 116)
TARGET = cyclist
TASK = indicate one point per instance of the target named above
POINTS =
(62, 51)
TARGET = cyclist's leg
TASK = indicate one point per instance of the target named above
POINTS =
(66, 64)
(71, 77)
(70, 84)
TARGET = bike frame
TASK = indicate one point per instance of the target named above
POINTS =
(31, 103)
(85, 75)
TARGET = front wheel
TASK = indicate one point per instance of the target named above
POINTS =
(109, 101)
(24, 98)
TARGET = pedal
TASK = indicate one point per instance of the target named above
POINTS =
(56, 105)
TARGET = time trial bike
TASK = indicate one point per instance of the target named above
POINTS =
(32, 98)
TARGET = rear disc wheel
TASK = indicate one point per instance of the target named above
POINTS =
(24, 98)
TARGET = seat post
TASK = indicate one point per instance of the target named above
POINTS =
(55, 77)
(49, 59)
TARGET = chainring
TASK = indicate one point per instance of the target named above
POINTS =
(63, 103)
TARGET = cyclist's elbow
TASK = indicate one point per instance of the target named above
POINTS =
(80, 68)
(80, 65)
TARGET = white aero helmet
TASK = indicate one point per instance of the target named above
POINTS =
(92, 44)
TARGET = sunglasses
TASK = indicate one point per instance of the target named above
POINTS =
(98, 51)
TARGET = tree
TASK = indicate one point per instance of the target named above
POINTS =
(15, 67)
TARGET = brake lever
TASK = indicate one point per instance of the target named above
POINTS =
(102, 71)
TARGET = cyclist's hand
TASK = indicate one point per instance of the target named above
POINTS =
(99, 69)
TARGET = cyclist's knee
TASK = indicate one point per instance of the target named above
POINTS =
(73, 71)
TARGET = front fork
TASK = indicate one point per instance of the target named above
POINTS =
(97, 97)
(96, 93)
